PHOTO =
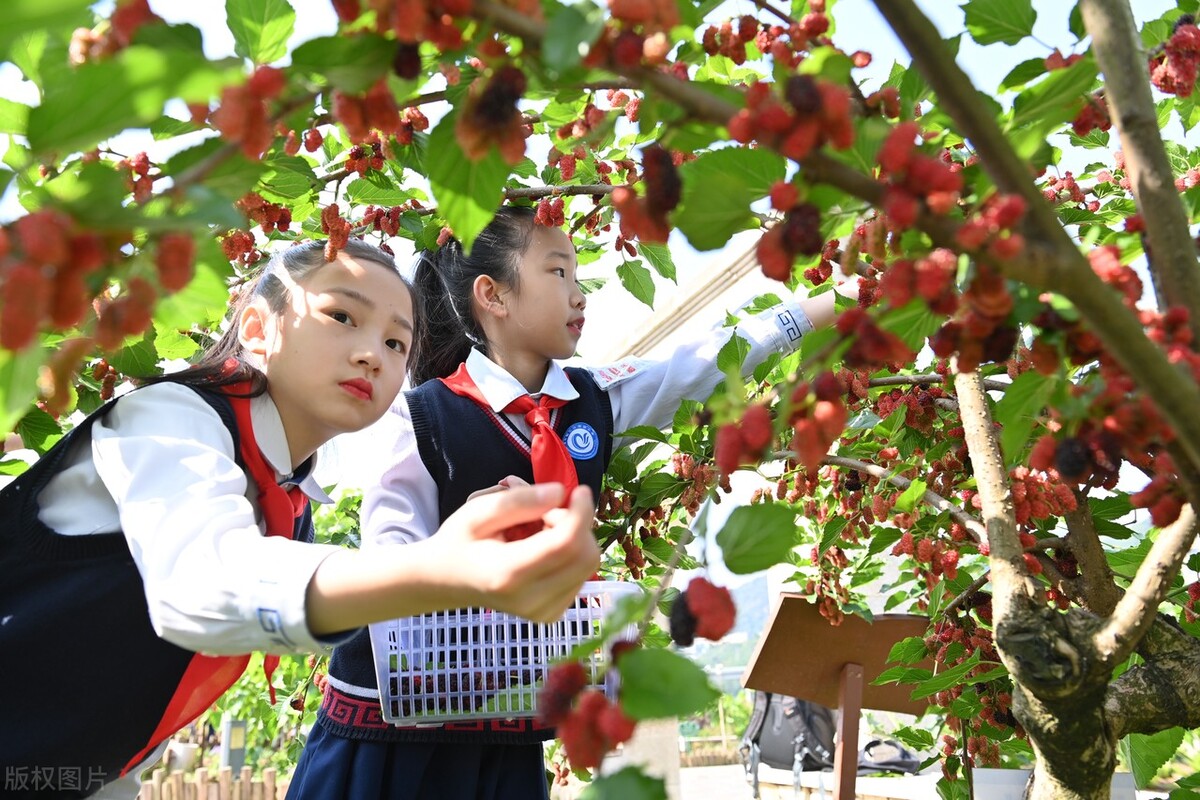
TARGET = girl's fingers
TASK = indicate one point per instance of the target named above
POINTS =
(512, 482)
(492, 512)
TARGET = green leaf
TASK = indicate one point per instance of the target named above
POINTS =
(467, 192)
(203, 300)
(659, 256)
(1075, 23)
(831, 534)
(349, 63)
(629, 783)
(911, 496)
(656, 488)
(260, 28)
(646, 672)
(913, 323)
(1127, 562)
(138, 359)
(14, 116)
(1023, 73)
(756, 537)
(1056, 99)
(718, 188)
(569, 33)
(908, 651)
(38, 430)
(172, 344)
(376, 189)
(18, 383)
(644, 432)
(128, 90)
(636, 280)
(1018, 410)
(30, 16)
(955, 675)
(828, 63)
(287, 178)
(732, 355)
(1007, 21)
(660, 552)
(1145, 754)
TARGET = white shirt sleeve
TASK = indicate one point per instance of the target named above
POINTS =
(214, 582)
(649, 392)
(402, 506)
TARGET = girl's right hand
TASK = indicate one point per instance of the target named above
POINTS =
(537, 577)
(468, 563)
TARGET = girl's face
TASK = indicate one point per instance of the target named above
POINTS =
(545, 312)
(336, 357)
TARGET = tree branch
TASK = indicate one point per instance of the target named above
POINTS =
(931, 499)
(929, 379)
(1172, 252)
(1136, 611)
(961, 100)
(975, 586)
(1098, 586)
(1006, 559)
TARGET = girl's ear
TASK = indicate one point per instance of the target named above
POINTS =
(488, 295)
(254, 327)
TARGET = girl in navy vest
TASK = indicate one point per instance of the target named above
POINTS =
(137, 544)
(496, 320)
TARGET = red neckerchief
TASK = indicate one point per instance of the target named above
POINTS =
(208, 677)
(551, 460)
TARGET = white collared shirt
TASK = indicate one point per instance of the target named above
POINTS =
(403, 506)
(161, 468)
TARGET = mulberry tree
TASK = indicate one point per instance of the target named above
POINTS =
(1001, 432)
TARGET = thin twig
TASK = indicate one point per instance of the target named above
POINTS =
(930, 498)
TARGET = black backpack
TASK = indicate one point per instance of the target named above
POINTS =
(788, 733)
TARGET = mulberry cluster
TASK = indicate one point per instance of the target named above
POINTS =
(645, 218)
(745, 441)
(45, 263)
(702, 610)
(490, 117)
(819, 113)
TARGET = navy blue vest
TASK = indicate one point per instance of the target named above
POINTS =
(84, 679)
(465, 448)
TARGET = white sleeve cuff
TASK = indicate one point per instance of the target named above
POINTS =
(277, 602)
(779, 328)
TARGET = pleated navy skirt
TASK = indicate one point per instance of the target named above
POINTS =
(333, 767)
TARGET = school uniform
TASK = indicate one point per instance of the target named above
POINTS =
(447, 446)
(132, 546)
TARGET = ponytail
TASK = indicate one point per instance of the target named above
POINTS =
(445, 281)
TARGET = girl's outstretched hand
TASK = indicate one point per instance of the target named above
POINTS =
(537, 577)
(467, 563)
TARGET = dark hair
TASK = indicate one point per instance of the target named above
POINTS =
(225, 362)
(445, 280)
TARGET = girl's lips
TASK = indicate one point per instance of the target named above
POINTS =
(359, 388)
(576, 326)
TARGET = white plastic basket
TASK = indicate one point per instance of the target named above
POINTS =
(474, 663)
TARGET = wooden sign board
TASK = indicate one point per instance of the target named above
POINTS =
(801, 655)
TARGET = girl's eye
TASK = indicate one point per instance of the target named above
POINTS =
(398, 345)
(560, 272)
(340, 316)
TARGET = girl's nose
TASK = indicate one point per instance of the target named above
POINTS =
(368, 357)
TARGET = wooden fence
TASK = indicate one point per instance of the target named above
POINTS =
(202, 785)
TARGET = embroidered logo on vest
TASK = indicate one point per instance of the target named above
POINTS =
(582, 441)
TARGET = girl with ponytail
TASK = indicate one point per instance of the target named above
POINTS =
(494, 408)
